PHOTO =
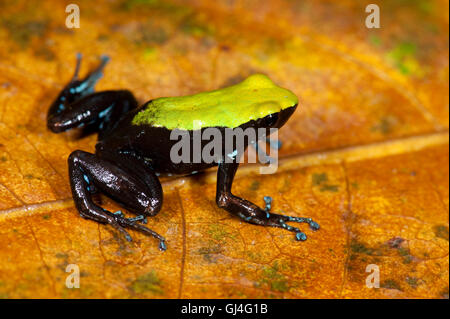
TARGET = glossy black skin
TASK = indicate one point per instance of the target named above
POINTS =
(128, 159)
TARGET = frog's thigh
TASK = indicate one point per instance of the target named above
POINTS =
(121, 184)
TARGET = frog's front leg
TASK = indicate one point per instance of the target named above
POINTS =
(140, 195)
(77, 88)
(77, 105)
(250, 212)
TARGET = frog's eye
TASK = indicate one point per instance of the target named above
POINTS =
(271, 119)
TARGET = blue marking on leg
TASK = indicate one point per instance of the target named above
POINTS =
(105, 58)
(98, 73)
(141, 218)
(246, 218)
(105, 111)
(137, 218)
(275, 144)
(119, 213)
(268, 201)
(312, 224)
(77, 66)
(289, 227)
(87, 85)
(300, 236)
(162, 245)
(80, 88)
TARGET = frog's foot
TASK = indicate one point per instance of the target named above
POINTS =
(250, 212)
(283, 219)
(122, 222)
(141, 218)
(118, 221)
(88, 83)
(277, 220)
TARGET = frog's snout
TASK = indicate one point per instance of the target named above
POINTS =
(55, 125)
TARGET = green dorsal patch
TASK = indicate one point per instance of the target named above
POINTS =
(254, 98)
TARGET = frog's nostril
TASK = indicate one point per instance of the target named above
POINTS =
(54, 125)
(57, 125)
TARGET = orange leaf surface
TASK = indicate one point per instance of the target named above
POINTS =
(365, 155)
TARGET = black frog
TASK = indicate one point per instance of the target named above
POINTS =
(134, 145)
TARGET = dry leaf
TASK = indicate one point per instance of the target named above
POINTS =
(365, 155)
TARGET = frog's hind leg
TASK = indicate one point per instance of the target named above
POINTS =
(77, 105)
(134, 192)
(250, 212)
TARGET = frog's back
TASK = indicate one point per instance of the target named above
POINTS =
(254, 98)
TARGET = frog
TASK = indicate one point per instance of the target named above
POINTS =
(134, 143)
